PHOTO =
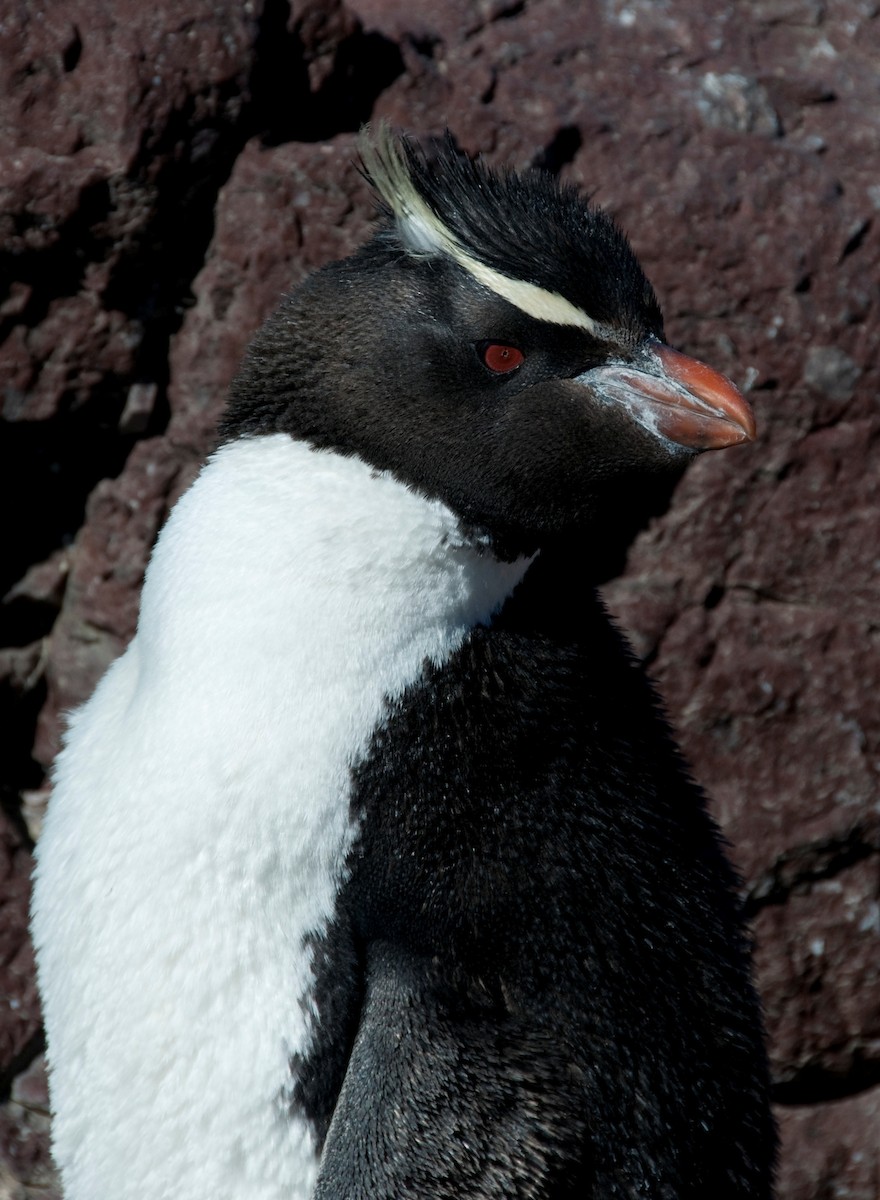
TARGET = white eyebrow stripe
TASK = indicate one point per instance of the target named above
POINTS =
(424, 233)
(534, 301)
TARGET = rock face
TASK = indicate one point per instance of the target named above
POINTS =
(166, 175)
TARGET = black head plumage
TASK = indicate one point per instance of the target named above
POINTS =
(527, 227)
(393, 354)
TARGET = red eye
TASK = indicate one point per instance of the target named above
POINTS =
(500, 358)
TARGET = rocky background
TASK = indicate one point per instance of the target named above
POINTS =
(168, 170)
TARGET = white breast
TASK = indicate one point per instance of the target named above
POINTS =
(200, 819)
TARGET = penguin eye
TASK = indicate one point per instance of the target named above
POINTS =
(501, 358)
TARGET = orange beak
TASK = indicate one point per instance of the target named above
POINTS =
(678, 398)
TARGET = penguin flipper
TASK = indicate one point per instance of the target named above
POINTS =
(444, 1100)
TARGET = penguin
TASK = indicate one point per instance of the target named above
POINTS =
(372, 870)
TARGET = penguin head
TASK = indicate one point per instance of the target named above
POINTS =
(496, 345)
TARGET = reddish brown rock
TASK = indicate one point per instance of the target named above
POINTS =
(818, 964)
(321, 28)
(26, 1168)
(302, 205)
(92, 131)
(107, 74)
(19, 1005)
(831, 1151)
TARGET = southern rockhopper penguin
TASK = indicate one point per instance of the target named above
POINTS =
(371, 869)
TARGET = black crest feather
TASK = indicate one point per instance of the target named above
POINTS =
(526, 226)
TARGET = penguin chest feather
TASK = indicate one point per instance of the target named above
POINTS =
(201, 819)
